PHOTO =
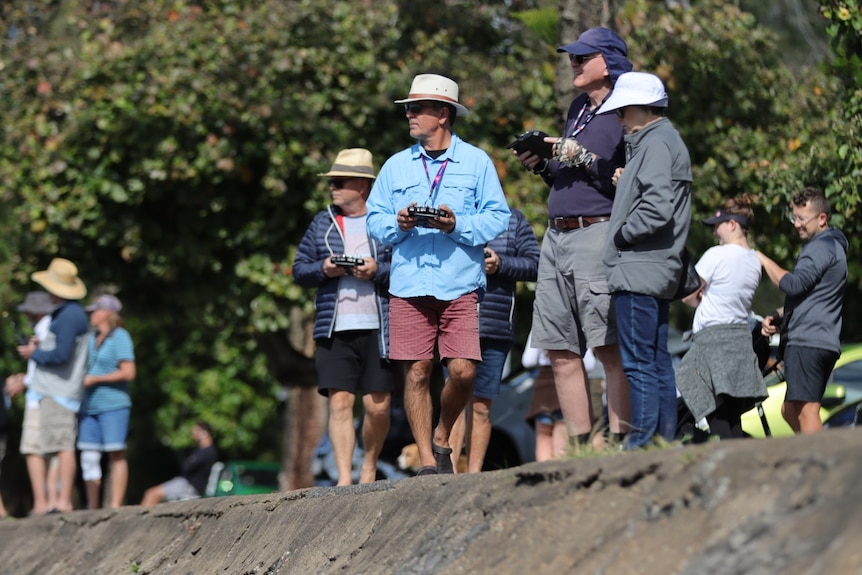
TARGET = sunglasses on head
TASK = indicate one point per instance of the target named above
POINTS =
(577, 58)
(337, 183)
(417, 107)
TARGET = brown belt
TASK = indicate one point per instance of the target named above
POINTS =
(576, 222)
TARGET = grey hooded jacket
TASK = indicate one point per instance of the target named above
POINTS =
(815, 293)
(651, 214)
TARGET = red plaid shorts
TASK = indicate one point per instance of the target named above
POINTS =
(417, 323)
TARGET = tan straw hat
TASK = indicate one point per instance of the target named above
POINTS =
(61, 279)
(435, 88)
(352, 163)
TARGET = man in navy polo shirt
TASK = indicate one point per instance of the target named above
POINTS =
(572, 310)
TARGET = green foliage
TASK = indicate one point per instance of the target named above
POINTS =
(543, 22)
(171, 149)
(844, 164)
(751, 123)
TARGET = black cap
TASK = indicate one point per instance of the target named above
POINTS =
(722, 216)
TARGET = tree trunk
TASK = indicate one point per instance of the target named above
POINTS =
(291, 363)
(304, 426)
(576, 16)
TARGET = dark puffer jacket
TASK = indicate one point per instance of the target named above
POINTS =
(518, 250)
(323, 239)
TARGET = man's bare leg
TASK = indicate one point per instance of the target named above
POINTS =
(37, 470)
(480, 433)
(808, 416)
(375, 426)
(68, 466)
(619, 402)
(52, 483)
(417, 403)
(458, 435)
(456, 392)
(342, 434)
(570, 379)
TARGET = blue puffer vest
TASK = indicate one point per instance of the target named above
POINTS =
(323, 239)
(518, 250)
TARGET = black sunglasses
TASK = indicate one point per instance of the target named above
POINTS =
(621, 112)
(581, 59)
(417, 107)
(337, 183)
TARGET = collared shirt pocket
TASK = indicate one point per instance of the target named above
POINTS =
(458, 191)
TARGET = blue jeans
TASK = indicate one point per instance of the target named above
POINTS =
(642, 323)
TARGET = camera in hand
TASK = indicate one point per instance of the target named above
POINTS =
(21, 338)
(533, 142)
(346, 261)
(425, 213)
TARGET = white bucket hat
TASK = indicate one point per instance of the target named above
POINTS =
(636, 89)
(435, 88)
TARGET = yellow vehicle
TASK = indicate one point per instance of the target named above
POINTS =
(845, 386)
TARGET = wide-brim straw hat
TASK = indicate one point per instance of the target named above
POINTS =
(352, 163)
(61, 279)
(435, 88)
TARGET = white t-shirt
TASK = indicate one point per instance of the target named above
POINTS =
(357, 303)
(535, 357)
(40, 330)
(732, 274)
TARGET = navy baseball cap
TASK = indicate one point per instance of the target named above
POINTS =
(604, 40)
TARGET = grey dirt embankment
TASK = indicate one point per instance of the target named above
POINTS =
(791, 506)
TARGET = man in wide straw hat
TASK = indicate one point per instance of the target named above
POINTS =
(438, 266)
(351, 326)
(61, 362)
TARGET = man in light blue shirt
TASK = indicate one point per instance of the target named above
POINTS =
(438, 203)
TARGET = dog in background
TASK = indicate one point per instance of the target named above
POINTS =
(409, 460)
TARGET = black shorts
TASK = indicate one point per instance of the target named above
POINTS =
(350, 361)
(807, 369)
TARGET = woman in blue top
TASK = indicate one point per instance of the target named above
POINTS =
(106, 404)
